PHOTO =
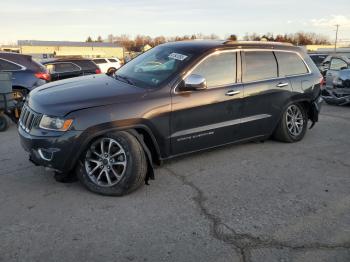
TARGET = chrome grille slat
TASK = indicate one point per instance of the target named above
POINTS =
(28, 119)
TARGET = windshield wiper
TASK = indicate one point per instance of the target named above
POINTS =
(125, 79)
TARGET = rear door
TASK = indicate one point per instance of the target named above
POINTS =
(265, 93)
(210, 117)
(335, 66)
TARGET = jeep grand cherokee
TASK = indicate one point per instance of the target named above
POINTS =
(175, 99)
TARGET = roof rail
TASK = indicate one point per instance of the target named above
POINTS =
(257, 43)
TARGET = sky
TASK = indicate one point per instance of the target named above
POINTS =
(75, 20)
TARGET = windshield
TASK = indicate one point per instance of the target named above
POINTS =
(154, 67)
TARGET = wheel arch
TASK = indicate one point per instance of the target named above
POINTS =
(141, 132)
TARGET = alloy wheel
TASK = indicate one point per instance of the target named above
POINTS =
(105, 162)
(294, 120)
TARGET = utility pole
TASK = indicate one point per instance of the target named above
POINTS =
(336, 38)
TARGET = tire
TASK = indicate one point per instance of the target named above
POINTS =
(4, 124)
(284, 130)
(111, 71)
(126, 159)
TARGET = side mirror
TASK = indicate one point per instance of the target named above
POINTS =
(195, 82)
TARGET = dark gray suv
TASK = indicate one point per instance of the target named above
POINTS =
(174, 99)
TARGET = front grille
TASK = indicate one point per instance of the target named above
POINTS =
(28, 119)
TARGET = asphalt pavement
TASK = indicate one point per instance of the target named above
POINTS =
(252, 202)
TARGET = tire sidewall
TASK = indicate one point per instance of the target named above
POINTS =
(130, 175)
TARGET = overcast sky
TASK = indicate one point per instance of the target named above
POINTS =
(75, 20)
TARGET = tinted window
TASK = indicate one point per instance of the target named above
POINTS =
(85, 64)
(290, 64)
(318, 59)
(65, 67)
(8, 66)
(338, 64)
(155, 66)
(218, 69)
(259, 65)
(100, 61)
(112, 60)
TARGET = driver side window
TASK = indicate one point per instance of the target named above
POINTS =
(218, 69)
(338, 64)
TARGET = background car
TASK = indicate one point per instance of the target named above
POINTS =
(337, 77)
(108, 65)
(63, 68)
(26, 73)
(318, 58)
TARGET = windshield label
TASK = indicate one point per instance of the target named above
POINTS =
(177, 56)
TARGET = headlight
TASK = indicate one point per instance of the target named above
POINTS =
(55, 123)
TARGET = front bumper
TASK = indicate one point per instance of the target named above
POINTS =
(337, 96)
(56, 152)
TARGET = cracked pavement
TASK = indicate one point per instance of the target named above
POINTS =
(251, 202)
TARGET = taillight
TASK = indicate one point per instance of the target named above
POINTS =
(98, 71)
(43, 75)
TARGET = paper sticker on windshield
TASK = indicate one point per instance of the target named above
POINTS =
(177, 56)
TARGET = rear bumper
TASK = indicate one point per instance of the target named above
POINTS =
(316, 109)
(58, 153)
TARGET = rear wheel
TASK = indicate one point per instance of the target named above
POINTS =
(293, 124)
(114, 165)
(4, 124)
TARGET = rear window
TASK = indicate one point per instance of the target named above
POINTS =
(63, 67)
(290, 64)
(8, 66)
(112, 60)
(259, 65)
(86, 64)
(100, 61)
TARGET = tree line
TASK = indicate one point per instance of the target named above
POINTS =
(137, 43)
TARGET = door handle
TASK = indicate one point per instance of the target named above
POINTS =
(282, 84)
(232, 92)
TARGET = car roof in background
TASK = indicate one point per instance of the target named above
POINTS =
(64, 59)
(24, 60)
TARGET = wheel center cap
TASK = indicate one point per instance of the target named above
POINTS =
(105, 162)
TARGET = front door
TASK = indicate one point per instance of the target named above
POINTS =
(332, 73)
(210, 117)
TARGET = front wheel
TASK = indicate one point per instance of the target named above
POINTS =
(293, 124)
(113, 165)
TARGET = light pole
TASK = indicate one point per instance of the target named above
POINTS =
(336, 38)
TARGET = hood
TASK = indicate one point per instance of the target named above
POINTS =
(62, 97)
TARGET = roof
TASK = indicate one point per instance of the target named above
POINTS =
(203, 45)
(64, 59)
(65, 43)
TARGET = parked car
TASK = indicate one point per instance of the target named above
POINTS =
(318, 59)
(64, 68)
(108, 65)
(27, 74)
(337, 78)
(112, 130)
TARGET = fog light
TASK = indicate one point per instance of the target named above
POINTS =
(45, 155)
